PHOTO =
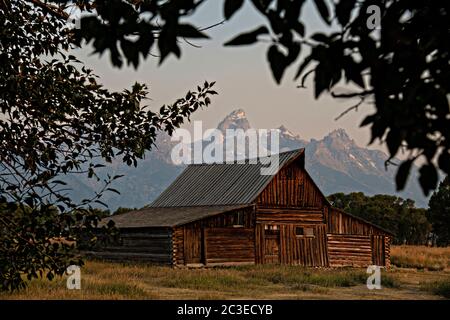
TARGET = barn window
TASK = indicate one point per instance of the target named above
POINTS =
(271, 229)
(302, 231)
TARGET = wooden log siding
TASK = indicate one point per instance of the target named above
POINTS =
(387, 251)
(259, 244)
(303, 250)
(341, 223)
(349, 250)
(378, 250)
(188, 240)
(291, 187)
(229, 245)
(289, 216)
(178, 246)
(152, 245)
(293, 249)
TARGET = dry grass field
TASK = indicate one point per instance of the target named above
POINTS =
(418, 273)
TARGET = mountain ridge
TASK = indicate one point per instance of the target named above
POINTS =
(335, 162)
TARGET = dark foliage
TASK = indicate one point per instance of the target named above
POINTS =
(57, 119)
(439, 213)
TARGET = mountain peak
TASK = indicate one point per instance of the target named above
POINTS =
(339, 134)
(235, 120)
(339, 139)
(237, 114)
(286, 132)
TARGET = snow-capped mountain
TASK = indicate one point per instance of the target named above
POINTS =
(336, 163)
(235, 120)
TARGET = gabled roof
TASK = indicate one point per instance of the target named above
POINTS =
(221, 184)
(166, 217)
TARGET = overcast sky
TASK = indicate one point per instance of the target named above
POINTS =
(243, 79)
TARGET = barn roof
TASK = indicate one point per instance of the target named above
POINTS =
(166, 217)
(220, 184)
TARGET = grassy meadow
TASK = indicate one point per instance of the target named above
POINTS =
(417, 273)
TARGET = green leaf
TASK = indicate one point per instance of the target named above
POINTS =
(299, 28)
(189, 31)
(343, 11)
(353, 71)
(113, 190)
(59, 182)
(322, 79)
(368, 120)
(428, 178)
(277, 62)
(303, 65)
(101, 202)
(323, 10)
(393, 141)
(320, 37)
(247, 37)
(402, 174)
(131, 52)
(231, 6)
(444, 162)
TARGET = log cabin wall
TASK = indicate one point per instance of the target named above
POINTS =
(353, 242)
(349, 250)
(340, 222)
(152, 245)
(229, 246)
(278, 241)
(190, 241)
(305, 250)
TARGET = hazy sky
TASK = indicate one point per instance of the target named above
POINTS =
(243, 79)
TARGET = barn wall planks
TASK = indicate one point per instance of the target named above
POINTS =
(152, 245)
(193, 244)
(340, 222)
(189, 240)
(259, 244)
(303, 250)
(378, 250)
(226, 245)
(349, 250)
(387, 251)
(178, 246)
(291, 187)
(289, 216)
(284, 246)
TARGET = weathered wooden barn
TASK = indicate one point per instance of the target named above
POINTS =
(227, 214)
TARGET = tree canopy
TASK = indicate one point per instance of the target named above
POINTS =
(439, 212)
(56, 119)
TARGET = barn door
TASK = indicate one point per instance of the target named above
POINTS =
(304, 245)
(192, 245)
(271, 244)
